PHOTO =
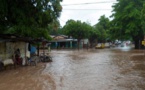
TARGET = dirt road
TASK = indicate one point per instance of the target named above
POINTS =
(104, 69)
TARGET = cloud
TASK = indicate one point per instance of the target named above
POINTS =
(85, 12)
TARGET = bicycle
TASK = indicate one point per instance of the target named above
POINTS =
(45, 58)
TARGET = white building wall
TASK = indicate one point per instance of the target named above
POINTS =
(84, 41)
(7, 49)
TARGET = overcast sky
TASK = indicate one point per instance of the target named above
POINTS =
(85, 10)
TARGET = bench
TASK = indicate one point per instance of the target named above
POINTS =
(6, 63)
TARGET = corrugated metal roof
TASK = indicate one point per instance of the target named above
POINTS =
(12, 37)
(64, 40)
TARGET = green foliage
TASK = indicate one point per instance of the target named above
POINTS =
(81, 30)
(77, 29)
(28, 17)
(93, 36)
(54, 27)
(128, 20)
(102, 28)
(143, 18)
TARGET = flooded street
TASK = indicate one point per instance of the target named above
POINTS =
(97, 69)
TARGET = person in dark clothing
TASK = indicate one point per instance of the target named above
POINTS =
(1, 65)
(18, 57)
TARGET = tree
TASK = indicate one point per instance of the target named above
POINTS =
(143, 18)
(77, 29)
(102, 28)
(93, 35)
(54, 27)
(127, 20)
(28, 17)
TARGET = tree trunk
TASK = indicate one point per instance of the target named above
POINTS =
(79, 44)
(92, 44)
(138, 42)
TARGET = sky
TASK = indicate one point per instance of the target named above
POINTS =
(85, 10)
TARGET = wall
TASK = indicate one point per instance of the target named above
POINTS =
(7, 49)
(2, 50)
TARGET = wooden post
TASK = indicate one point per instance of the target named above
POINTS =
(38, 50)
(25, 53)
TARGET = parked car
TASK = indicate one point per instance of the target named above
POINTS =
(100, 46)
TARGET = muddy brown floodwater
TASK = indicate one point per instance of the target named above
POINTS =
(101, 69)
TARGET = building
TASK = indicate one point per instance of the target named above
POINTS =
(63, 42)
(9, 43)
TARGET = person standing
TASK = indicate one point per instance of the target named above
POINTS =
(49, 49)
(18, 57)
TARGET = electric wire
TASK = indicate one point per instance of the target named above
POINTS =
(86, 4)
(89, 3)
(88, 9)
